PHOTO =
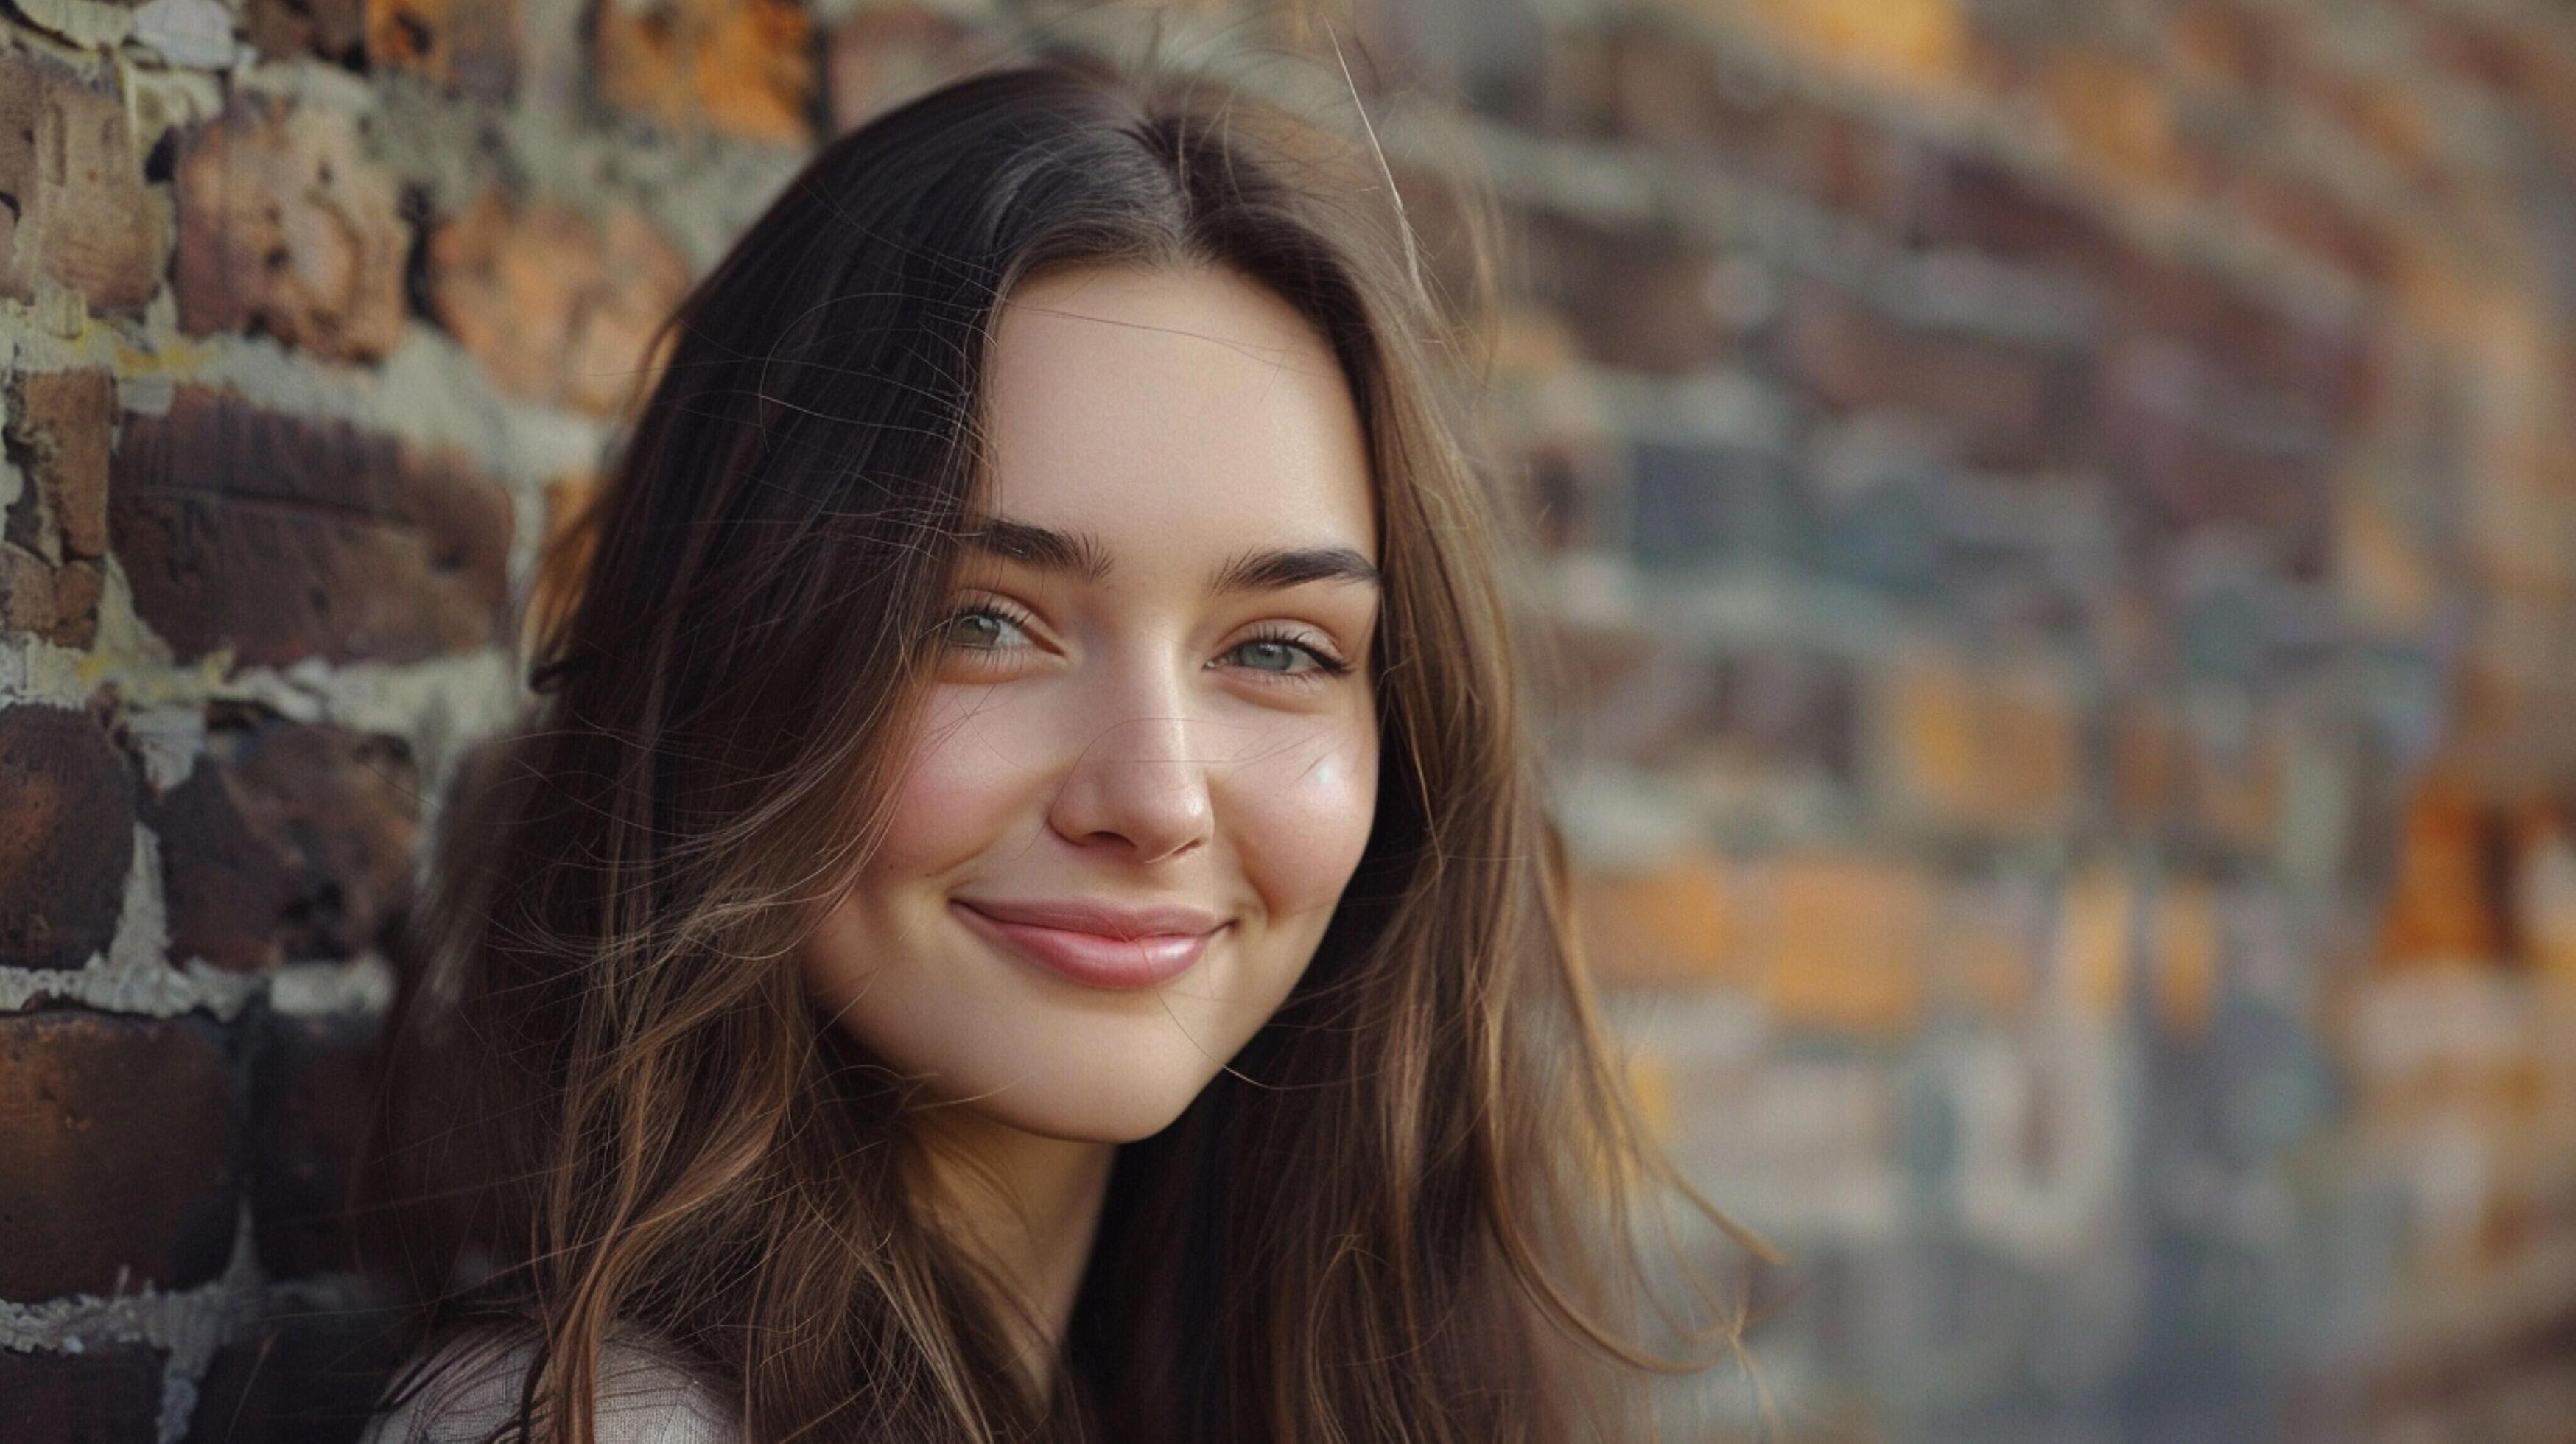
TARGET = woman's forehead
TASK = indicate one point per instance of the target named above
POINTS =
(1145, 408)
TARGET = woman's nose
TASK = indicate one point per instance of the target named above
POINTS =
(1139, 779)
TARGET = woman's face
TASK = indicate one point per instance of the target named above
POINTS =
(1154, 696)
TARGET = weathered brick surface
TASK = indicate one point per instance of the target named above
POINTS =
(1643, 301)
(885, 55)
(310, 1092)
(2006, 406)
(52, 540)
(288, 229)
(394, 555)
(311, 1380)
(558, 307)
(2068, 560)
(743, 67)
(105, 1394)
(67, 806)
(332, 29)
(78, 212)
(288, 841)
(469, 46)
(159, 1206)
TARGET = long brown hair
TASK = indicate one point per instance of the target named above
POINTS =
(1405, 1210)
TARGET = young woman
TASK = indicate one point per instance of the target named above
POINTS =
(1024, 908)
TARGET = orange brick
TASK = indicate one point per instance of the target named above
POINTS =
(2187, 956)
(2443, 907)
(2095, 939)
(2115, 114)
(79, 213)
(1990, 749)
(2031, 751)
(1916, 43)
(2146, 764)
(557, 308)
(287, 227)
(1939, 756)
(1672, 926)
(469, 46)
(743, 67)
(1851, 942)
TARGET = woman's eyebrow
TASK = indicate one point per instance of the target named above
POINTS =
(1256, 569)
(1267, 568)
(1041, 547)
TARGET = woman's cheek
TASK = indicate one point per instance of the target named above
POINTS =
(965, 780)
(1305, 813)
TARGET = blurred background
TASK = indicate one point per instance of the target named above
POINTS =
(2063, 516)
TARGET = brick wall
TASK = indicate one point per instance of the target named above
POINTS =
(2061, 516)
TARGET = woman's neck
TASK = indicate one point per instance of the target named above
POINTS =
(1029, 1206)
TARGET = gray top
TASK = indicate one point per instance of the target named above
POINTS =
(647, 1394)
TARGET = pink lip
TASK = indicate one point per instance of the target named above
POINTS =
(1096, 945)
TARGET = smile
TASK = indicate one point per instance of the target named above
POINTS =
(1095, 960)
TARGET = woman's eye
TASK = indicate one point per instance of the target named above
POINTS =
(1280, 654)
(980, 629)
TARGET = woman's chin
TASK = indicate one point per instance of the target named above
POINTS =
(1091, 1112)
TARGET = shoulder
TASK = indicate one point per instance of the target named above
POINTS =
(648, 1394)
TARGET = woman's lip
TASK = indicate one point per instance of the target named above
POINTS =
(1094, 959)
(1096, 915)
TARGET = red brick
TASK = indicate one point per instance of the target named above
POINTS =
(1766, 710)
(1968, 199)
(557, 308)
(288, 228)
(2147, 767)
(394, 555)
(1634, 299)
(2225, 43)
(66, 836)
(2320, 373)
(105, 1394)
(310, 1095)
(306, 1377)
(2312, 219)
(57, 435)
(2164, 425)
(59, 426)
(2004, 406)
(124, 1141)
(1674, 97)
(336, 30)
(742, 67)
(886, 54)
(288, 842)
(57, 603)
(80, 213)
(2115, 113)
(468, 46)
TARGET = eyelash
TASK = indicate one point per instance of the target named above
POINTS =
(1326, 664)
